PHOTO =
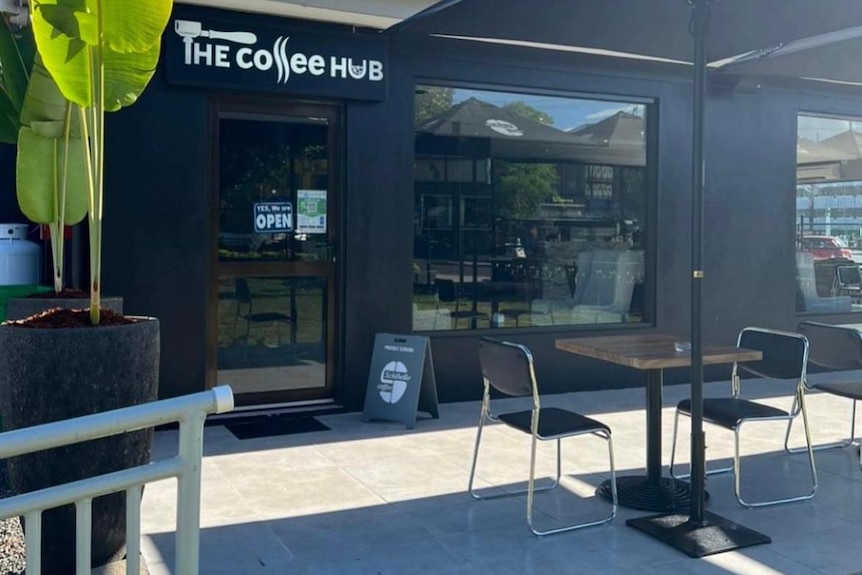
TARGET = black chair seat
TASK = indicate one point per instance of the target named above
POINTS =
(267, 316)
(553, 422)
(848, 389)
(729, 412)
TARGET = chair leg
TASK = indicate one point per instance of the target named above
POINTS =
(482, 417)
(475, 495)
(673, 455)
(737, 465)
(607, 437)
(834, 445)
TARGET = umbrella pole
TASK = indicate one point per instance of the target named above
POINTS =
(700, 12)
(699, 533)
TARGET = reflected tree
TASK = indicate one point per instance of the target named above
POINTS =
(431, 101)
(522, 187)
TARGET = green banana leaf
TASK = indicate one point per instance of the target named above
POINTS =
(68, 34)
(8, 120)
(17, 50)
(15, 68)
(39, 186)
(44, 173)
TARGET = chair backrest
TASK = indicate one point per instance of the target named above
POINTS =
(805, 278)
(832, 347)
(446, 290)
(630, 268)
(848, 276)
(785, 354)
(597, 286)
(606, 278)
(808, 299)
(243, 292)
(507, 367)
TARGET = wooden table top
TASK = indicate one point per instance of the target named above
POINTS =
(651, 351)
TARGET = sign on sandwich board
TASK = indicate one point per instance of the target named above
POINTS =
(401, 379)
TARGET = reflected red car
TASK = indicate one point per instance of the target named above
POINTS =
(826, 247)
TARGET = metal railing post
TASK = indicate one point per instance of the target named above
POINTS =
(189, 494)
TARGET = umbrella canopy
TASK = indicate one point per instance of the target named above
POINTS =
(848, 143)
(619, 129)
(832, 62)
(818, 162)
(652, 28)
(828, 151)
(510, 135)
(474, 118)
(622, 134)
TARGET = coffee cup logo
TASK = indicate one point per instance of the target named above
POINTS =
(393, 382)
(504, 127)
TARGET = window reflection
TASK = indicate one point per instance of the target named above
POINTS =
(828, 215)
(529, 210)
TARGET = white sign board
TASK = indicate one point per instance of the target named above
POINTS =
(311, 211)
(401, 379)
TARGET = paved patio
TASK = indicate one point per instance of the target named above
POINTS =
(377, 499)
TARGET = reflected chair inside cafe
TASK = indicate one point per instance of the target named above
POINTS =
(431, 319)
(834, 349)
(245, 298)
(604, 285)
(848, 281)
(508, 368)
(807, 296)
(785, 358)
(447, 292)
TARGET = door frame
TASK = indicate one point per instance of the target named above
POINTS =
(260, 107)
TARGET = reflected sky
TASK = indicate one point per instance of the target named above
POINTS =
(567, 113)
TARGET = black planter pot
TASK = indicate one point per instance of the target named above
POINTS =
(22, 307)
(54, 374)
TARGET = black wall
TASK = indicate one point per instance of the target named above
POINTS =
(156, 226)
(157, 209)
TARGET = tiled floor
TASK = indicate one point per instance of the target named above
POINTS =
(377, 499)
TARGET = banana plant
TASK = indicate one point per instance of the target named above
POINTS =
(50, 179)
(35, 116)
(102, 54)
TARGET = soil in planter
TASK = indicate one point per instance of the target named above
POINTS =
(59, 318)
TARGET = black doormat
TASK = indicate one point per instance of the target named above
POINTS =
(272, 425)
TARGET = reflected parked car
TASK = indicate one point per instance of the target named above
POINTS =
(826, 247)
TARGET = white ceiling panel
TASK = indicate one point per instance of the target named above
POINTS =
(365, 13)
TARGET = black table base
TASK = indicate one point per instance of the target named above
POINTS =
(638, 492)
(714, 535)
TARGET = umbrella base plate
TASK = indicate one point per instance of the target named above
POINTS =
(638, 492)
(714, 535)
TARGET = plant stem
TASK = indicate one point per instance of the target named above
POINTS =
(55, 225)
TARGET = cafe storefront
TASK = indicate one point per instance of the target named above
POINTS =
(286, 189)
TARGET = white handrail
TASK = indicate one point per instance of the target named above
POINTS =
(189, 411)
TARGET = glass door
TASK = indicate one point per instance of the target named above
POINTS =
(272, 314)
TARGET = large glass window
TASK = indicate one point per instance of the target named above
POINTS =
(529, 210)
(828, 214)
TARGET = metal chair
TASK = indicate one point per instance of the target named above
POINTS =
(834, 348)
(508, 368)
(848, 281)
(244, 296)
(785, 357)
(447, 292)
